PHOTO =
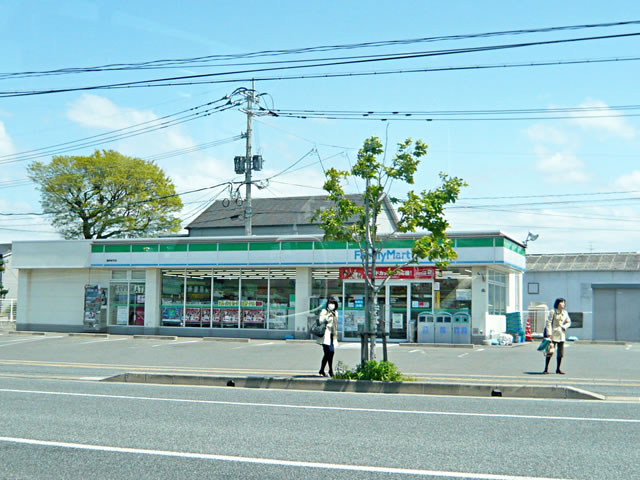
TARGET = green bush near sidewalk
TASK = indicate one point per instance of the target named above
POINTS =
(371, 370)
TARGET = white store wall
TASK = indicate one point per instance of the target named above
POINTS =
(56, 296)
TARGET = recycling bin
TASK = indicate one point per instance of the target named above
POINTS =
(461, 328)
(443, 333)
(426, 328)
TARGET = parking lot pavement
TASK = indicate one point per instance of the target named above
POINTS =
(606, 369)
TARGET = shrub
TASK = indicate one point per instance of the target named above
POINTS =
(371, 370)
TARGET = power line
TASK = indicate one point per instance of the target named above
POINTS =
(194, 61)
(111, 136)
(390, 57)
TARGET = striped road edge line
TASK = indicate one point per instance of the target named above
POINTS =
(271, 461)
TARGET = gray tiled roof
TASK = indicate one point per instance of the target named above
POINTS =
(584, 261)
(268, 211)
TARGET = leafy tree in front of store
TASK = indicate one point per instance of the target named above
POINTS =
(106, 195)
(357, 222)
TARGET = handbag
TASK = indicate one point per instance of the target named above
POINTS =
(318, 328)
(544, 344)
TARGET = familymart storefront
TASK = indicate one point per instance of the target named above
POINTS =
(263, 287)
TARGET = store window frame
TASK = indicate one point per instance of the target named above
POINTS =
(497, 292)
(135, 299)
(270, 273)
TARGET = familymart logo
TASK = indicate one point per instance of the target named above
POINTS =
(388, 255)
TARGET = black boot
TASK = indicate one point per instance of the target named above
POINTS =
(558, 366)
(546, 364)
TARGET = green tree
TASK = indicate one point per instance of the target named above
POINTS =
(422, 211)
(3, 291)
(106, 195)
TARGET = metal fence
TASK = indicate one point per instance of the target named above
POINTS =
(8, 309)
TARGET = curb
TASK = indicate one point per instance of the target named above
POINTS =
(20, 332)
(363, 386)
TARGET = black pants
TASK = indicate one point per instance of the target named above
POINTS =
(327, 358)
(559, 353)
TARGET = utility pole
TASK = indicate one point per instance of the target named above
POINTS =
(249, 164)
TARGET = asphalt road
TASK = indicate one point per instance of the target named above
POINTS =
(64, 429)
(610, 370)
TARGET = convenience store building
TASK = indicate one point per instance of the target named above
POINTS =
(262, 286)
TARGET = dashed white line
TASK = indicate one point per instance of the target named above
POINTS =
(103, 340)
(463, 355)
(166, 344)
(386, 411)
(26, 340)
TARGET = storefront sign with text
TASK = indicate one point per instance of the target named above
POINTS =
(404, 273)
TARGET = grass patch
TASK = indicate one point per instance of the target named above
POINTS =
(371, 370)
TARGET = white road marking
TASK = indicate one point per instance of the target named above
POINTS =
(261, 344)
(324, 407)
(176, 343)
(26, 340)
(103, 340)
(628, 347)
(271, 461)
(481, 349)
(463, 355)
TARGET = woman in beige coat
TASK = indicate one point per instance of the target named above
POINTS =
(555, 329)
(329, 341)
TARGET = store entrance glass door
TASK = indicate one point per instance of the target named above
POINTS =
(398, 312)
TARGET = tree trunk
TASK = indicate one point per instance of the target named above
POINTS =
(373, 326)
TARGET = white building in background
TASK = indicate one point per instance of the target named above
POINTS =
(576, 277)
(269, 285)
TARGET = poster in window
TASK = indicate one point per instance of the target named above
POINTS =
(216, 316)
(139, 316)
(122, 315)
(463, 294)
(172, 314)
(206, 316)
(192, 316)
(254, 317)
(229, 316)
(140, 298)
(397, 319)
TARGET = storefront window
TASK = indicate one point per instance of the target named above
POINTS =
(497, 293)
(254, 296)
(198, 304)
(353, 309)
(127, 297)
(421, 303)
(282, 299)
(226, 308)
(454, 295)
(172, 306)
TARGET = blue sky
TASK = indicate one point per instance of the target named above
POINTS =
(541, 161)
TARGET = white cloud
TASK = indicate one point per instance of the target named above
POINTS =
(99, 112)
(93, 111)
(597, 119)
(6, 145)
(630, 181)
(561, 167)
(546, 134)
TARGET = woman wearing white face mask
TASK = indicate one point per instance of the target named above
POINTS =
(329, 341)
